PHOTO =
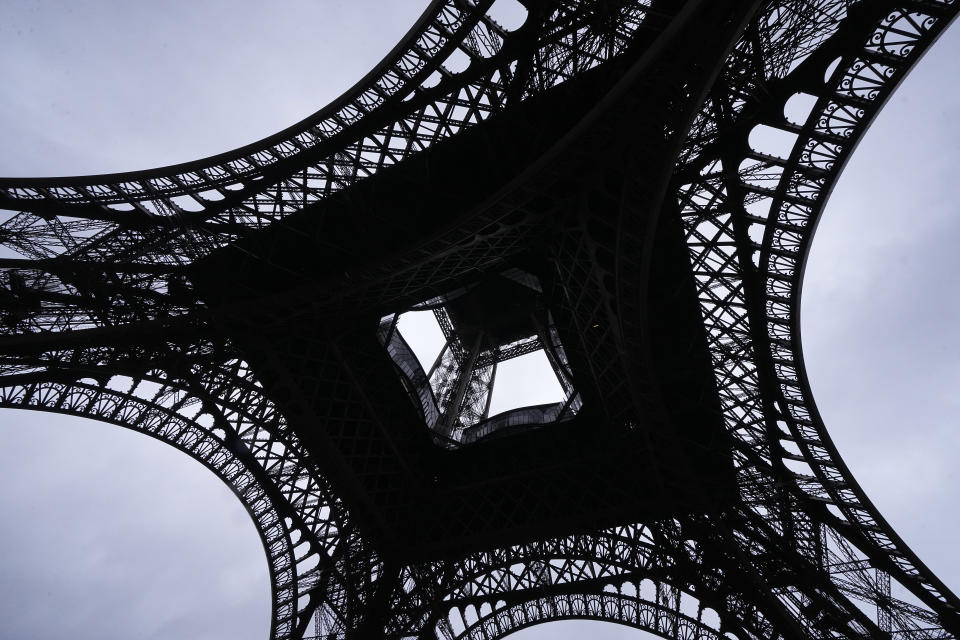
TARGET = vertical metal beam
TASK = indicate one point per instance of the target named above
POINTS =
(436, 363)
(452, 412)
(493, 377)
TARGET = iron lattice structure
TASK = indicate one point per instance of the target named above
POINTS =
(229, 307)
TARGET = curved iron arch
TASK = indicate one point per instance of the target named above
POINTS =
(210, 202)
(826, 140)
(658, 617)
(419, 52)
(671, 555)
(219, 417)
(90, 401)
(749, 289)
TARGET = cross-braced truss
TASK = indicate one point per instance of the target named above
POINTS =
(99, 319)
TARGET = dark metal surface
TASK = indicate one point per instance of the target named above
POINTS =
(220, 306)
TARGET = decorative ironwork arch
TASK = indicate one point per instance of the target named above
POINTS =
(169, 425)
(219, 416)
(661, 618)
(750, 217)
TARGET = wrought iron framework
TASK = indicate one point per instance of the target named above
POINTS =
(100, 317)
(455, 393)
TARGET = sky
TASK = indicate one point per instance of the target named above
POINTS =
(523, 381)
(108, 534)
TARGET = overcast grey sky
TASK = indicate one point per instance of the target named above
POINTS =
(108, 534)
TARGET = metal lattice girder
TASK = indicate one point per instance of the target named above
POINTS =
(750, 288)
(101, 315)
(173, 217)
(388, 117)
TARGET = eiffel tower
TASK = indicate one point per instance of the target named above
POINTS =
(587, 187)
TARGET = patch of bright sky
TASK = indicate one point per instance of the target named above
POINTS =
(113, 85)
(422, 332)
(580, 630)
(109, 534)
(521, 382)
(509, 14)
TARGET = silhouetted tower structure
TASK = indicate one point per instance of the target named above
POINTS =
(630, 186)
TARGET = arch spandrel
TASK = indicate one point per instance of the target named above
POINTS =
(656, 618)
